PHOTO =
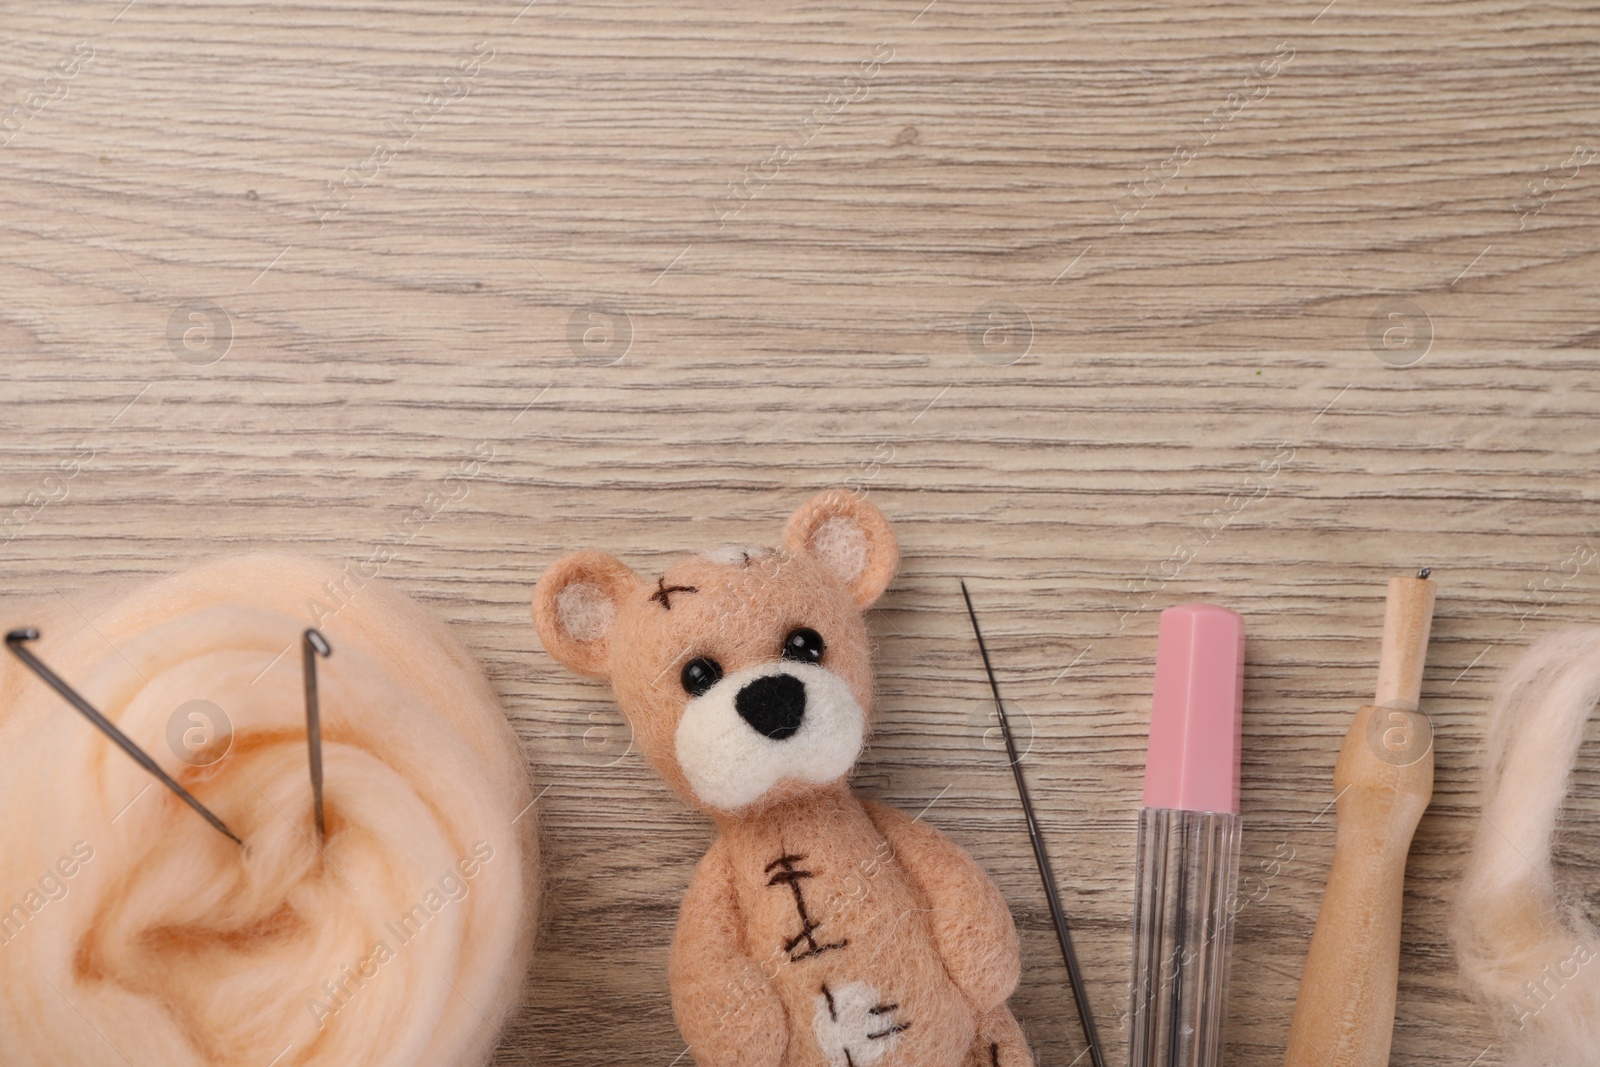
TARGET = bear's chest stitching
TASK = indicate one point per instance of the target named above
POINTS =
(785, 873)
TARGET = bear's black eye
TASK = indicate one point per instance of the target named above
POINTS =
(700, 674)
(803, 645)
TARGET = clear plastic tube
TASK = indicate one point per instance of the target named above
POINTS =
(1187, 874)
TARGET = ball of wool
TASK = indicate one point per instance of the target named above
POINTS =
(133, 932)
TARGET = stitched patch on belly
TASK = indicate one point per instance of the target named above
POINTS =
(855, 1026)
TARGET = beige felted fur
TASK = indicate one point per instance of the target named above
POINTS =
(819, 931)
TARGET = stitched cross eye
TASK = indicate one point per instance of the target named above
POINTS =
(700, 674)
(803, 645)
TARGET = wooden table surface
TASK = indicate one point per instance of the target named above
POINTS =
(1108, 305)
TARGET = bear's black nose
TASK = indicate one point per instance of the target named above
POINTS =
(773, 705)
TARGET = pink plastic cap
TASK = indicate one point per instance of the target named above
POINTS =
(1195, 719)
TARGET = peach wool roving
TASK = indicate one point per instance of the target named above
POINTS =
(132, 932)
(1526, 948)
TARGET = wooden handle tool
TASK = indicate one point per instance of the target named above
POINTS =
(1383, 782)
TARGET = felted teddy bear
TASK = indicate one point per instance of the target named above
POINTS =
(820, 930)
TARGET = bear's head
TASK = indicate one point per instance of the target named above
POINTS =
(745, 672)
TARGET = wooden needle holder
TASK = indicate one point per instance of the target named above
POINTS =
(1383, 781)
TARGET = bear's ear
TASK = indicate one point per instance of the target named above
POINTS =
(851, 538)
(575, 606)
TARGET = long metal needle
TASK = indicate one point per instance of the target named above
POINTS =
(312, 645)
(14, 641)
(1074, 976)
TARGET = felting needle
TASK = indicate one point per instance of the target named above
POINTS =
(312, 645)
(1080, 996)
(14, 641)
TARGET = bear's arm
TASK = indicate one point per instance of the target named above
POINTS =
(725, 1009)
(971, 924)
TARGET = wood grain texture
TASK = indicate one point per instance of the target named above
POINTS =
(273, 272)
